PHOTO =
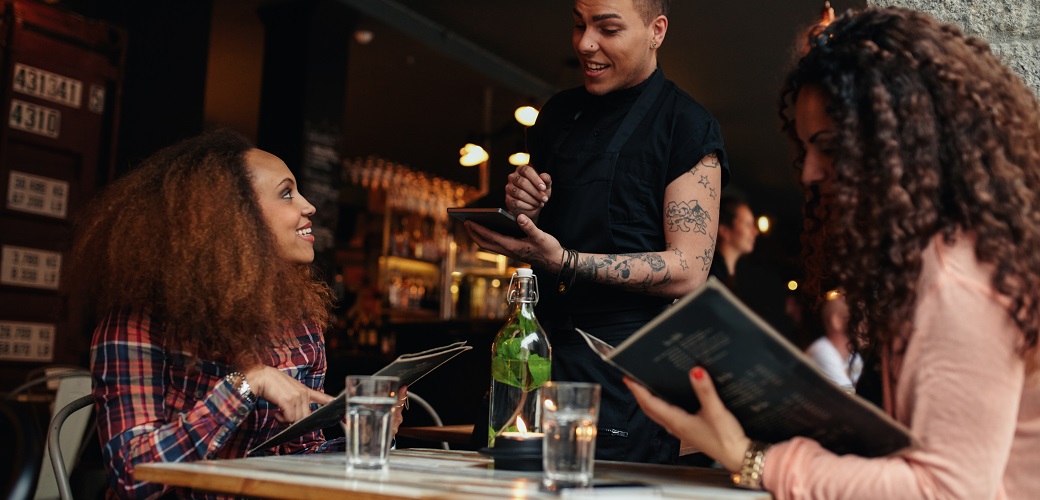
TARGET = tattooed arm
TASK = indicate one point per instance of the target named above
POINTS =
(690, 222)
(691, 214)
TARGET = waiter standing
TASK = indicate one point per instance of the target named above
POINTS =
(624, 184)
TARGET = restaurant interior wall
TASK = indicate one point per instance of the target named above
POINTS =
(63, 77)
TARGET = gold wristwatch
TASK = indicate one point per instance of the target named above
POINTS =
(241, 386)
(750, 475)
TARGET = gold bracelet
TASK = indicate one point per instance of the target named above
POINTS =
(750, 475)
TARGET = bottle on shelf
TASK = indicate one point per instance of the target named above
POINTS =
(521, 360)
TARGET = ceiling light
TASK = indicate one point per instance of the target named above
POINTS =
(518, 159)
(763, 224)
(471, 155)
(526, 115)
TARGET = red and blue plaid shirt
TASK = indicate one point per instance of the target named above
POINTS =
(156, 405)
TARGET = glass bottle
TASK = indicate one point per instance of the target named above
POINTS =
(521, 360)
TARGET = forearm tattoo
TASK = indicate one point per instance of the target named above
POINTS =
(679, 253)
(687, 216)
(529, 255)
(640, 272)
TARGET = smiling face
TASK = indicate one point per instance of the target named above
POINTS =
(816, 132)
(285, 210)
(616, 47)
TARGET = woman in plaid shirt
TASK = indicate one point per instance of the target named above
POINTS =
(211, 333)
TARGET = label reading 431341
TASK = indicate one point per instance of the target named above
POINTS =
(46, 85)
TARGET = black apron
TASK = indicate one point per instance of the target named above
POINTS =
(580, 215)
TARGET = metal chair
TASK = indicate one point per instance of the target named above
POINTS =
(61, 475)
(429, 409)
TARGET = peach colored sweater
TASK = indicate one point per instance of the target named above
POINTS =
(971, 400)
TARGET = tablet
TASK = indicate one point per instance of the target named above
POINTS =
(495, 219)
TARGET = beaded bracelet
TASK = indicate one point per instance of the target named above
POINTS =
(563, 266)
(565, 280)
(750, 475)
(573, 270)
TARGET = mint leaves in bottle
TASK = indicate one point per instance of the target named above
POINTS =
(520, 362)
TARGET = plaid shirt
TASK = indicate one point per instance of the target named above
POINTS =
(155, 407)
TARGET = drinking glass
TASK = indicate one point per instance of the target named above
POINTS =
(370, 401)
(570, 412)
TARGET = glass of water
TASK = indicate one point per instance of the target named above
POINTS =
(370, 401)
(570, 412)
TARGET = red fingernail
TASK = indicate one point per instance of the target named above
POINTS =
(698, 373)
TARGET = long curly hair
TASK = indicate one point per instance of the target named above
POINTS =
(183, 236)
(934, 135)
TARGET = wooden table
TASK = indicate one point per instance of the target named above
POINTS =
(458, 434)
(432, 474)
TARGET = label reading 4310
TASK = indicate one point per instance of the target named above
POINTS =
(34, 118)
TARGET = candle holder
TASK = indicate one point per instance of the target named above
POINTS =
(516, 451)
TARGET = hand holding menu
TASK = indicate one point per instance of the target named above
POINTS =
(408, 367)
(769, 385)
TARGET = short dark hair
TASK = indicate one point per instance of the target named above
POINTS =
(728, 209)
(650, 9)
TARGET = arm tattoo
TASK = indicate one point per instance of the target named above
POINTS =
(704, 181)
(705, 259)
(641, 272)
(682, 260)
(713, 193)
(687, 216)
(710, 160)
(529, 255)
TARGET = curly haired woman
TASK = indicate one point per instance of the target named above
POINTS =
(920, 152)
(211, 332)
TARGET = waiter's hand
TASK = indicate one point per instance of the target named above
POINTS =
(539, 248)
(527, 191)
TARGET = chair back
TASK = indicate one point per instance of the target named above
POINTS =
(54, 443)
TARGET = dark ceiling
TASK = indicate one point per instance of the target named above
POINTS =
(730, 56)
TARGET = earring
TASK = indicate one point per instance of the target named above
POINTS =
(653, 45)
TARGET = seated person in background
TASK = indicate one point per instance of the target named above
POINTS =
(832, 352)
(920, 154)
(211, 331)
(737, 233)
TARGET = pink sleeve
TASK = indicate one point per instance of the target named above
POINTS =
(959, 391)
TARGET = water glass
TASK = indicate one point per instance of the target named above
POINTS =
(570, 412)
(370, 401)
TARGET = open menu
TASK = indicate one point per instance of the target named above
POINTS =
(774, 390)
(407, 367)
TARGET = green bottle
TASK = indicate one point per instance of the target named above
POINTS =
(521, 360)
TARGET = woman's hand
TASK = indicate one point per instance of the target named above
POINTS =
(527, 191)
(402, 401)
(292, 398)
(539, 249)
(713, 430)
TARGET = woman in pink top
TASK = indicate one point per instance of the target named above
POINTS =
(920, 154)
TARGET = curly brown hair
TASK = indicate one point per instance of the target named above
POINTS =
(934, 135)
(183, 236)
